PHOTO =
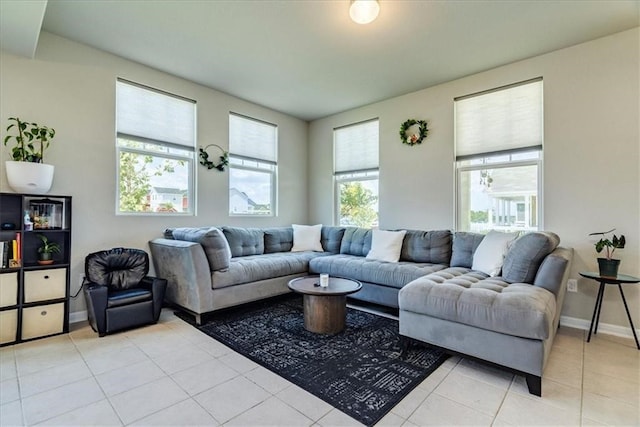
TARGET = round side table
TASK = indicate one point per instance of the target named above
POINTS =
(325, 309)
(604, 280)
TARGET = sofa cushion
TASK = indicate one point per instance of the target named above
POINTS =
(254, 268)
(550, 275)
(356, 241)
(427, 246)
(525, 255)
(307, 238)
(331, 238)
(394, 275)
(464, 245)
(471, 298)
(489, 255)
(213, 242)
(278, 239)
(386, 245)
(244, 241)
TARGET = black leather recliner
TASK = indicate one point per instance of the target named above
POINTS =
(118, 292)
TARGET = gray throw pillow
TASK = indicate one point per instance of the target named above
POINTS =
(213, 242)
(464, 246)
(525, 255)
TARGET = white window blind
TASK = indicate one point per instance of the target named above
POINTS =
(356, 147)
(505, 119)
(158, 116)
(252, 138)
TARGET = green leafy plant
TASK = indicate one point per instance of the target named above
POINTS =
(47, 246)
(609, 244)
(30, 139)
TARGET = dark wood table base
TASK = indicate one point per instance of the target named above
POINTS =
(325, 314)
(325, 308)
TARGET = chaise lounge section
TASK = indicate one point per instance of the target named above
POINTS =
(508, 320)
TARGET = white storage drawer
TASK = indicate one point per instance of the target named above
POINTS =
(42, 320)
(8, 326)
(43, 285)
(8, 289)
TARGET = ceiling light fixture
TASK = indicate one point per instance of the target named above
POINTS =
(364, 11)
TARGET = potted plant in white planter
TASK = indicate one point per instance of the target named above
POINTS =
(27, 173)
(609, 266)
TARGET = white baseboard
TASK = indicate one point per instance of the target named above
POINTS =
(605, 328)
(78, 316)
(571, 322)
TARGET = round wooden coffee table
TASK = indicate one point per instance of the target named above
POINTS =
(325, 309)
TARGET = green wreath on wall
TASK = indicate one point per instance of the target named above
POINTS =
(204, 158)
(413, 138)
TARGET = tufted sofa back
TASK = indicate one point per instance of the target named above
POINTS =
(433, 247)
(356, 241)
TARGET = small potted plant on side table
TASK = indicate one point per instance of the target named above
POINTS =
(47, 250)
(609, 266)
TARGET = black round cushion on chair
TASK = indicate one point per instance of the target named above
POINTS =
(117, 268)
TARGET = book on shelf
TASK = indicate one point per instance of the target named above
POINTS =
(10, 253)
(6, 252)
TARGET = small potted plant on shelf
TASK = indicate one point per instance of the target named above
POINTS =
(27, 173)
(609, 266)
(47, 250)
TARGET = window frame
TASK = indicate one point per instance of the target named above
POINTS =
(190, 167)
(344, 177)
(190, 158)
(490, 159)
(273, 173)
(361, 175)
(501, 165)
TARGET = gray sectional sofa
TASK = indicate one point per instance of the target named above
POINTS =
(509, 320)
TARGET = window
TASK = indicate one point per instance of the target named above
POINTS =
(155, 148)
(499, 158)
(355, 149)
(253, 166)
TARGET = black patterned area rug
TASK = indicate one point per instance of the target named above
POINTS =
(359, 371)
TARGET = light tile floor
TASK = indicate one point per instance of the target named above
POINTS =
(172, 374)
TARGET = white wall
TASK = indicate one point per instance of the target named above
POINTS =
(71, 87)
(591, 156)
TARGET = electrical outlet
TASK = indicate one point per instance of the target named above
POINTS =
(572, 285)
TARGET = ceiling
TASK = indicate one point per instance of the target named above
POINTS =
(308, 59)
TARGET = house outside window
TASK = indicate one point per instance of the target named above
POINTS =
(499, 139)
(253, 166)
(155, 146)
(356, 174)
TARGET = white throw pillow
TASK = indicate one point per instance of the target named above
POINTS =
(386, 245)
(307, 238)
(489, 255)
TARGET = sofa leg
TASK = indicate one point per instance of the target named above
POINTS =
(198, 319)
(405, 344)
(534, 384)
